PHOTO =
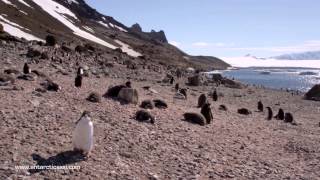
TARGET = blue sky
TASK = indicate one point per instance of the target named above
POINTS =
(225, 28)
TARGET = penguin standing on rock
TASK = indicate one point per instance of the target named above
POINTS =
(83, 134)
(270, 113)
(288, 118)
(184, 92)
(26, 69)
(80, 71)
(260, 106)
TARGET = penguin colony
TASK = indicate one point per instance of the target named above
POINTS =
(82, 138)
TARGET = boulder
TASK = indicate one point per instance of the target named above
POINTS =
(196, 80)
(51, 40)
(33, 52)
(129, 95)
(114, 91)
(232, 84)
(195, 118)
(313, 93)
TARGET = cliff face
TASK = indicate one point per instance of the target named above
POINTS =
(153, 35)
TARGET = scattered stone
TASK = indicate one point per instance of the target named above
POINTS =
(144, 116)
(244, 111)
(50, 85)
(179, 96)
(94, 97)
(32, 53)
(147, 104)
(27, 77)
(41, 90)
(195, 118)
(39, 73)
(12, 71)
(223, 107)
(161, 104)
(6, 79)
(129, 95)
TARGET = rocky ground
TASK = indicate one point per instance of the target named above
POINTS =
(37, 127)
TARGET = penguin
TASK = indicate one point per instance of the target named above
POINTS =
(202, 100)
(260, 106)
(143, 116)
(215, 95)
(184, 92)
(80, 71)
(206, 112)
(195, 118)
(26, 69)
(270, 113)
(78, 81)
(280, 115)
(177, 87)
(171, 80)
(223, 107)
(288, 118)
(83, 134)
(128, 84)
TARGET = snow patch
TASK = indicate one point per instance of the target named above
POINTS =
(88, 29)
(58, 11)
(117, 27)
(73, 1)
(9, 3)
(127, 49)
(23, 2)
(103, 24)
(12, 28)
(23, 12)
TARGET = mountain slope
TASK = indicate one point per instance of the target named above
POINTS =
(75, 21)
(312, 55)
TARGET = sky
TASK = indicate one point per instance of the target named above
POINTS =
(225, 28)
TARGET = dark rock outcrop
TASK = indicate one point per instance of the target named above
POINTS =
(313, 93)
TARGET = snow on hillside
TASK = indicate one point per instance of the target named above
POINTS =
(253, 62)
(23, 2)
(127, 49)
(58, 11)
(14, 30)
(9, 3)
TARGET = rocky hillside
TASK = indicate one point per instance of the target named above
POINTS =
(75, 22)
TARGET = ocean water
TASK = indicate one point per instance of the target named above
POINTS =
(301, 79)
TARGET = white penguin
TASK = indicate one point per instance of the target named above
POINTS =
(83, 134)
